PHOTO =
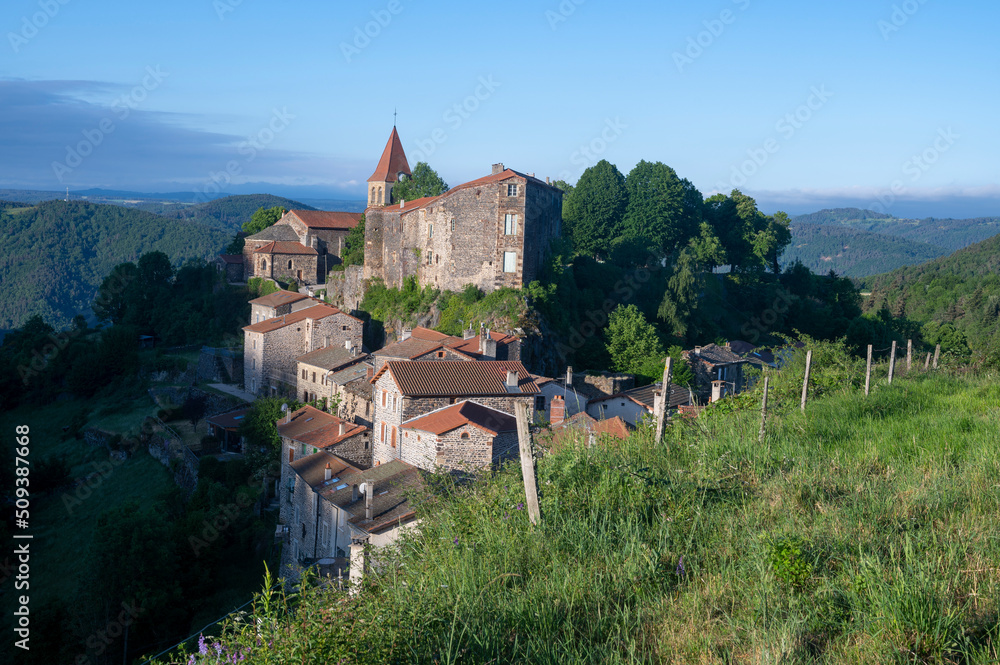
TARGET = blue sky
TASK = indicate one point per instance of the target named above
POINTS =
(802, 104)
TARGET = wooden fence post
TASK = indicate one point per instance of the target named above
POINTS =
(763, 412)
(927, 363)
(868, 372)
(892, 362)
(909, 355)
(937, 355)
(805, 380)
(527, 462)
(661, 414)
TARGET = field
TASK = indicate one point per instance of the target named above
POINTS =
(863, 531)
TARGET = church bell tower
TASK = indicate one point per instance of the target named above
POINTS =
(392, 168)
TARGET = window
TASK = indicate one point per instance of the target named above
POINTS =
(291, 454)
(263, 264)
(289, 264)
(343, 329)
(384, 395)
(255, 344)
(314, 377)
(465, 435)
(511, 190)
(440, 354)
(510, 225)
(430, 257)
(430, 230)
(393, 437)
(510, 261)
(253, 363)
(540, 403)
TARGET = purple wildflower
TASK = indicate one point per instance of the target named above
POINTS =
(519, 506)
(456, 540)
(680, 567)
(202, 649)
(191, 659)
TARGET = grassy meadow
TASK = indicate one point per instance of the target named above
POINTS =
(863, 531)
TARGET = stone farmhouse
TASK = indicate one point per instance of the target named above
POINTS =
(407, 390)
(492, 232)
(332, 509)
(309, 430)
(302, 246)
(327, 373)
(461, 437)
(270, 347)
(426, 344)
(278, 304)
(717, 371)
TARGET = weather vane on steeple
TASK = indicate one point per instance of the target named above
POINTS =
(393, 117)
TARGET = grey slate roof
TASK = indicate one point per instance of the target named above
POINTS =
(276, 232)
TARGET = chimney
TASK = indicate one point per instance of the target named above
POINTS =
(569, 375)
(547, 180)
(354, 492)
(697, 350)
(468, 334)
(497, 168)
(369, 498)
(370, 373)
(511, 379)
(557, 410)
(402, 203)
(729, 346)
(407, 333)
(343, 428)
(288, 414)
(327, 472)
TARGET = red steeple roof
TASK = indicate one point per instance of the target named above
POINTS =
(393, 161)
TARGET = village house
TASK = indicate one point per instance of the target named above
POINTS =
(717, 371)
(491, 232)
(230, 265)
(302, 246)
(426, 344)
(316, 368)
(309, 430)
(331, 509)
(636, 404)
(278, 304)
(580, 427)
(352, 387)
(270, 347)
(574, 401)
(226, 428)
(406, 390)
(461, 437)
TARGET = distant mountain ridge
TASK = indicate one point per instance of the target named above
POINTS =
(859, 243)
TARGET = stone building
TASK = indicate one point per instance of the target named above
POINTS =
(278, 304)
(231, 265)
(270, 347)
(717, 371)
(309, 430)
(638, 404)
(352, 386)
(330, 509)
(316, 369)
(573, 400)
(426, 344)
(461, 437)
(491, 232)
(302, 246)
(405, 390)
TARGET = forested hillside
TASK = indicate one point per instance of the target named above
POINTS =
(853, 252)
(950, 234)
(56, 254)
(957, 297)
(231, 212)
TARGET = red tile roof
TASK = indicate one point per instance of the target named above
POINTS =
(312, 468)
(284, 247)
(426, 333)
(393, 161)
(315, 313)
(278, 298)
(471, 345)
(323, 219)
(478, 182)
(451, 378)
(317, 428)
(452, 417)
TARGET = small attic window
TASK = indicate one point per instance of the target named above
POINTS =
(465, 435)
(340, 487)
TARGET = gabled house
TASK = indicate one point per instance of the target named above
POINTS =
(309, 430)
(302, 246)
(278, 304)
(460, 437)
(582, 427)
(315, 369)
(638, 404)
(717, 371)
(270, 347)
(226, 428)
(405, 390)
(420, 344)
(574, 400)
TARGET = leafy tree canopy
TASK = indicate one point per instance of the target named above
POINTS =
(593, 211)
(632, 340)
(263, 218)
(354, 251)
(423, 182)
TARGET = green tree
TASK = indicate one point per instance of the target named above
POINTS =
(116, 292)
(631, 340)
(263, 218)
(593, 211)
(423, 182)
(354, 245)
(263, 445)
(656, 212)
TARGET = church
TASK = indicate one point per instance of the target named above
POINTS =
(492, 232)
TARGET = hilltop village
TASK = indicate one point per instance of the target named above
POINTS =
(376, 419)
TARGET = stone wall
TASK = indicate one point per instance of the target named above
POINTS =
(220, 365)
(346, 289)
(356, 449)
(604, 384)
(356, 402)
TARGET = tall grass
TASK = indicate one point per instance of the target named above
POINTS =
(863, 531)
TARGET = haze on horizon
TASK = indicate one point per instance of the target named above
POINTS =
(887, 104)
